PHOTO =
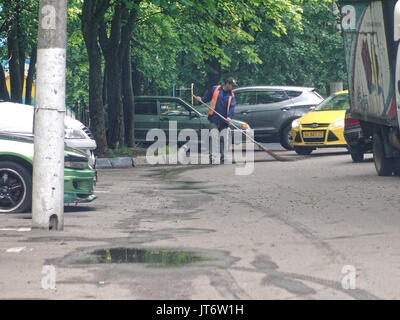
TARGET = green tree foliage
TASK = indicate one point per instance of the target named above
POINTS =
(77, 77)
(18, 33)
(166, 42)
(308, 56)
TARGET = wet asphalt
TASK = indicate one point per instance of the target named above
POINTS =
(318, 227)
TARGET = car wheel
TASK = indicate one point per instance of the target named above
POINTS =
(357, 155)
(304, 151)
(286, 137)
(15, 188)
(383, 165)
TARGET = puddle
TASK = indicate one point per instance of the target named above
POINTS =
(152, 257)
(148, 257)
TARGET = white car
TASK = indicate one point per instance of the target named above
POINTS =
(18, 118)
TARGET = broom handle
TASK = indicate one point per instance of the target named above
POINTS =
(272, 154)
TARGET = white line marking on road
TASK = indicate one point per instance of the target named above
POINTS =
(16, 250)
(15, 229)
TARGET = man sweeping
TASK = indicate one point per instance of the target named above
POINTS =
(222, 101)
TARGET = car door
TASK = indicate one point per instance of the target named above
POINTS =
(268, 113)
(245, 100)
(146, 118)
(176, 111)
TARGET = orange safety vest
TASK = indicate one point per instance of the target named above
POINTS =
(214, 99)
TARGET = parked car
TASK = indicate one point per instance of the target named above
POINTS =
(18, 118)
(16, 164)
(157, 112)
(323, 126)
(358, 142)
(270, 110)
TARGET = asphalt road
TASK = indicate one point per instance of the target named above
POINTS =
(319, 227)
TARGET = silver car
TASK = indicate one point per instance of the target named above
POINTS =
(270, 110)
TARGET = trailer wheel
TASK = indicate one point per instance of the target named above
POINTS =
(396, 166)
(383, 165)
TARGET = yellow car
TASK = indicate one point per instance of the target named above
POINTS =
(322, 127)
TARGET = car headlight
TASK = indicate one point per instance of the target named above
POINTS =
(74, 134)
(339, 124)
(295, 124)
(75, 162)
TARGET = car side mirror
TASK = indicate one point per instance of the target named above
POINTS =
(193, 115)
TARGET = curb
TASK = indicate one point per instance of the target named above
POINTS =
(122, 162)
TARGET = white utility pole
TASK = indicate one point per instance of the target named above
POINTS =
(48, 165)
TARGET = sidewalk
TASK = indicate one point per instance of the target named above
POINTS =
(170, 159)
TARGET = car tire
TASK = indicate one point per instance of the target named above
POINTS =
(285, 137)
(15, 187)
(383, 165)
(303, 151)
(357, 155)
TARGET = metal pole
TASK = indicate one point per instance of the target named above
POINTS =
(48, 168)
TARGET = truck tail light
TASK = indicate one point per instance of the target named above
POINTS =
(349, 121)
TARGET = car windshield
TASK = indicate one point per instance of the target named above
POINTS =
(202, 109)
(335, 102)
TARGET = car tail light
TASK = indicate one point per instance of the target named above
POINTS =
(349, 121)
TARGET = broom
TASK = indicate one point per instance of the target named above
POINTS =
(272, 154)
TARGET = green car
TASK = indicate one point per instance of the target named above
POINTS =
(157, 113)
(16, 164)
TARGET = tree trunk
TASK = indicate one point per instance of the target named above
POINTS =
(137, 80)
(29, 79)
(115, 45)
(335, 86)
(110, 48)
(128, 99)
(96, 110)
(21, 51)
(127, 86)
(93, 11)
(3, 87)
(114, 98)
(15, 67)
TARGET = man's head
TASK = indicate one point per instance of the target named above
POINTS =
(230, 84)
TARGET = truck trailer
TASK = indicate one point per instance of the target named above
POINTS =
(371, 35)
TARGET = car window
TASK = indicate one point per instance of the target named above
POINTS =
(334, 102)
(294, 94)
(146, 107)
(173, 109)
(245, 97)
(264, 97)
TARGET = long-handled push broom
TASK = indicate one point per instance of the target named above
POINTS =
(272, 154)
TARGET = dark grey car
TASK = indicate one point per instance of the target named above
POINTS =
(270, 110)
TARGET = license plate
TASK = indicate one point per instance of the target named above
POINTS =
(313, 134)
